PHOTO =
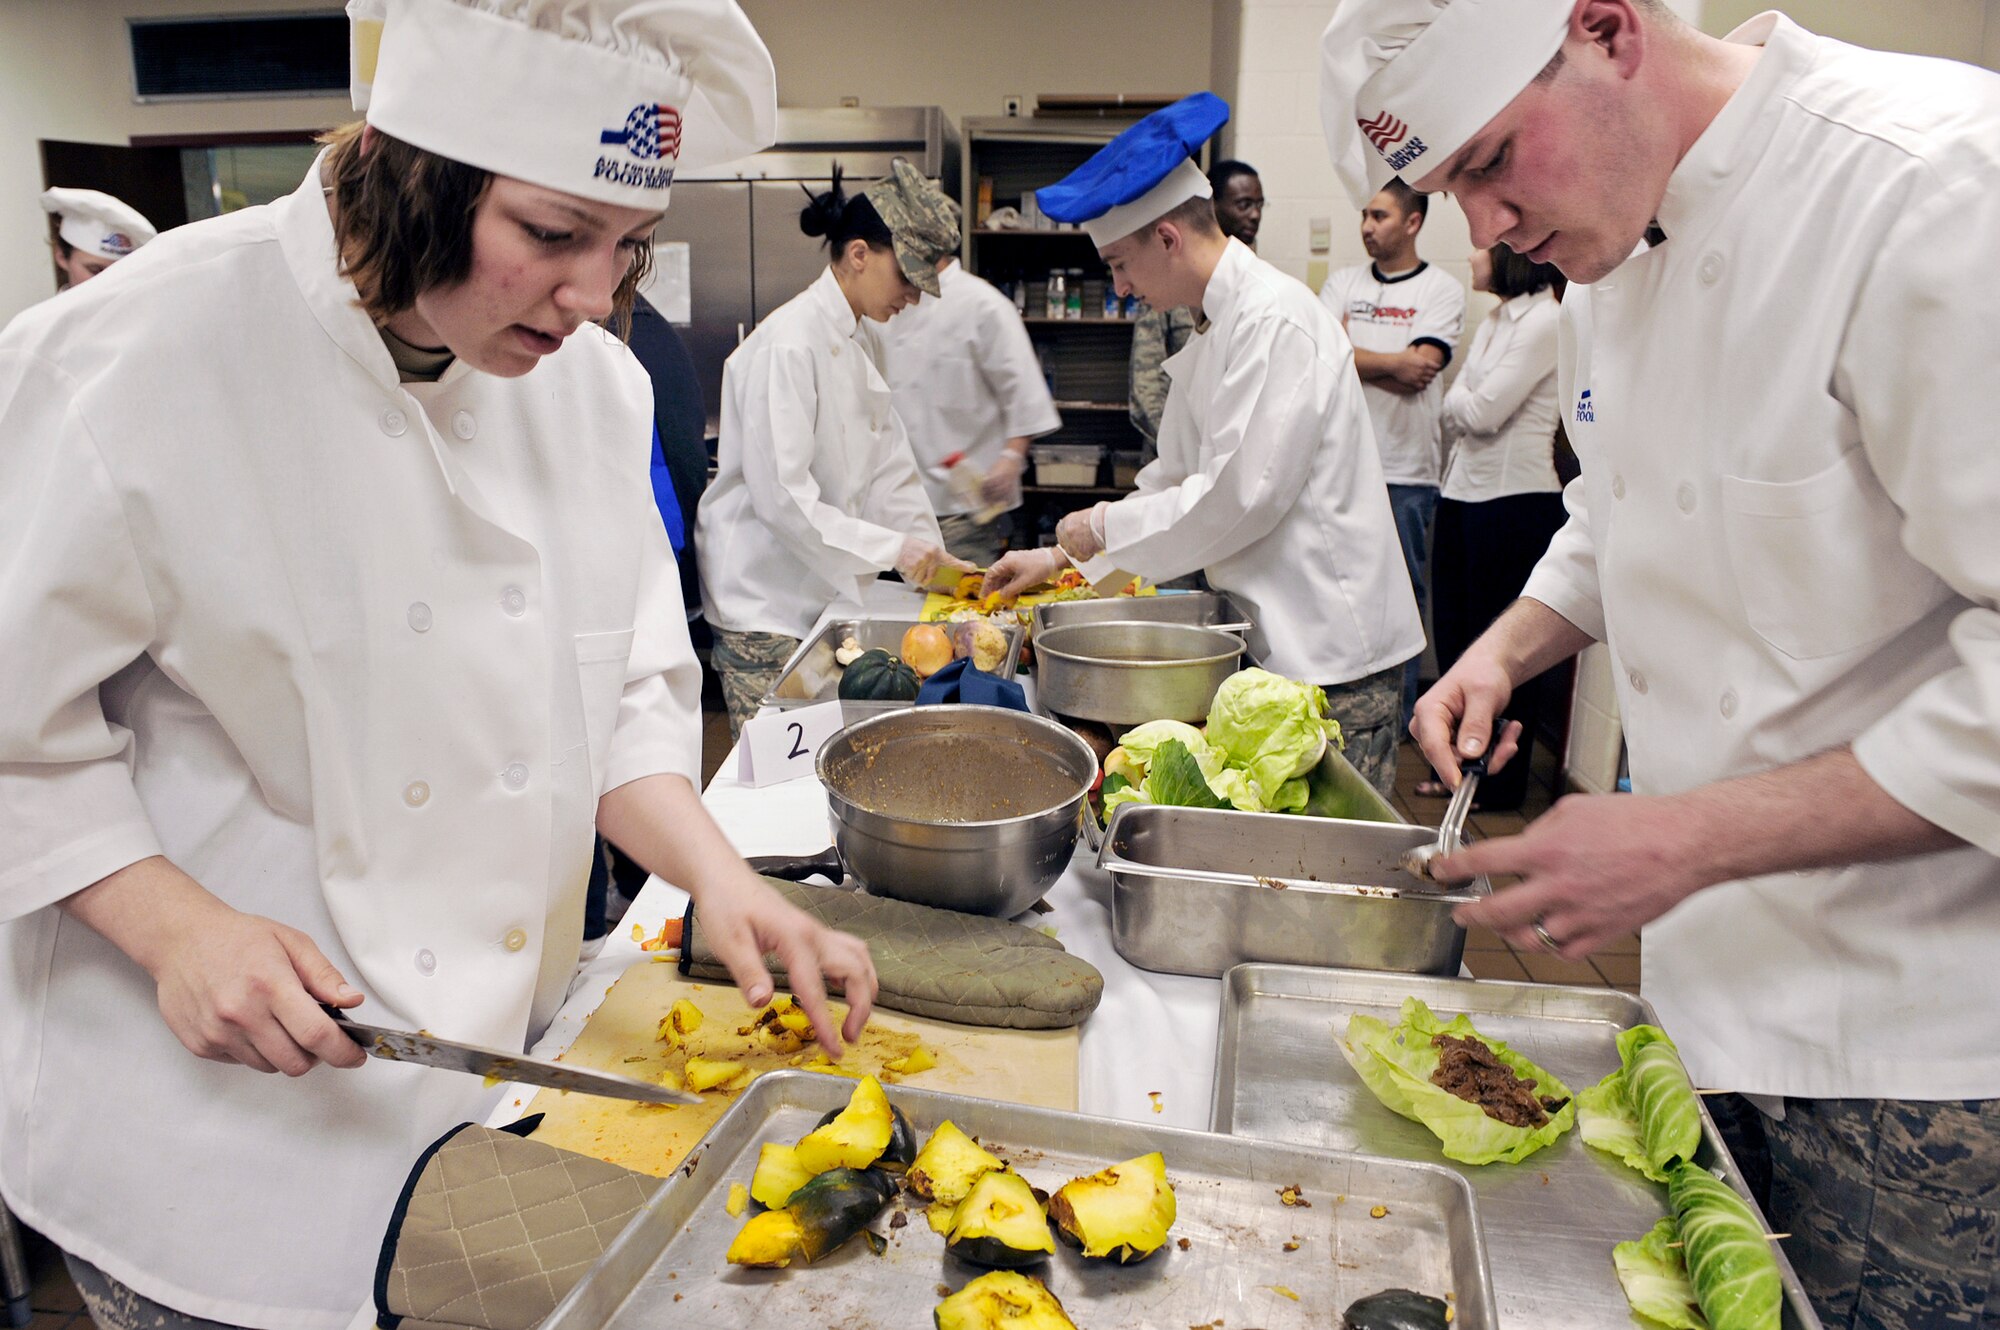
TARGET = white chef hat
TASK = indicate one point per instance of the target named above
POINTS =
(601, 98)
(1404, 84)
(96, 223)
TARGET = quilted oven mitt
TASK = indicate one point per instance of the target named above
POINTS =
(939, 963)
(492, 1230)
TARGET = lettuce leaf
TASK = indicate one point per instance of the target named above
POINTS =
(1396, 1063)
(1176, 778)
(1729, 1260)
(1655, 1278)
(1271, 728)
(1138, 755)
(1659, 1089)
(1607, 1121)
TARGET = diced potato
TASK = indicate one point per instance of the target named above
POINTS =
(921, 1059)
(739, 1196)
(707, 1073)
(681, 1020)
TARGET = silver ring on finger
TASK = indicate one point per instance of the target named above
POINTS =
(1547, 938)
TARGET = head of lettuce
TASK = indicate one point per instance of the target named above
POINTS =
(1273, 730)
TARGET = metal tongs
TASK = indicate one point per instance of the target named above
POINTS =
(1451, 831)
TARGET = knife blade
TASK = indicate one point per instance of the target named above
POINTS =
(945, 579)
(428, 1050)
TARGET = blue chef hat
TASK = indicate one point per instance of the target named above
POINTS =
(1142, 175)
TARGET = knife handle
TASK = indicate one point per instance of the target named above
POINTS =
(346, 1026)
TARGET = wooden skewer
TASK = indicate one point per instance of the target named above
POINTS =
(1768, 1237)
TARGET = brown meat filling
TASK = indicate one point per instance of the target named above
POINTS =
(1468, 1069)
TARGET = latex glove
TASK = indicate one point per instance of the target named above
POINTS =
(920, 559)
(744, 920)
(1003, 479)
(1024, 570)
(1082, 532)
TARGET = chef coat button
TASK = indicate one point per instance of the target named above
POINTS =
(514, 601)
(1618, 487)
(416, 794)
(1684, 496)
(463, 425)
(836, 353)
(1728, 703)
(1710, 269)
(515, 777)
(1638, 683)
(427, 964)
(515, 939)
(394, 422)
(419, 617)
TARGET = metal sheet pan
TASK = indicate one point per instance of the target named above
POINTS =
(1197, 890)
(1550, 1220)
(1208, 609)
(667, 1267)
(812, 675)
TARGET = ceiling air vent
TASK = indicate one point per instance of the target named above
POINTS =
(266, 55)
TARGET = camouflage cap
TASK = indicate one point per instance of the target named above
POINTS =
(922, 220)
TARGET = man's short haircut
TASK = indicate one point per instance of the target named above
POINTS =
(1196, 216)
(403, 223)
(1654, 9)
(1227, 170)
(1518, 275)
(1408, 199)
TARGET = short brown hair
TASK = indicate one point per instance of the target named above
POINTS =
(402, 222)
(1197, 215)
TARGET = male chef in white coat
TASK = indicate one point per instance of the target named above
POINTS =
(1267, 479)
(1785, 531)
(93, 230)
(336, 611)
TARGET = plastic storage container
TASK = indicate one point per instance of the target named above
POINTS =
(1125, 466)
(1073, 464)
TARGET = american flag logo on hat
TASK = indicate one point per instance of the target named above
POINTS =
(651, 131)
(1385, 131)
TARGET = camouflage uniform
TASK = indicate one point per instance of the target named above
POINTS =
(1157, 335)
(1893, 1205)
(749, 665)
(965, 538)
(1368, 710)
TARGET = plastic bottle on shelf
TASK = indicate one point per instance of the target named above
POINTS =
(1058, 298)
(968, 483)
(1018, 289)
(1111, 305)
(1073, 294)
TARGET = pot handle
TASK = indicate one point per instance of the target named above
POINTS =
(795, 868)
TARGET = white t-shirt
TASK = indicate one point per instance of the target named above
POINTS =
(1388, 314)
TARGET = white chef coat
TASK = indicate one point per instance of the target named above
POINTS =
(1267, 480)
(1500, 415)
(1390, 314)
(1785, 529)
(965, 379)
(815, 485)
(360, 657)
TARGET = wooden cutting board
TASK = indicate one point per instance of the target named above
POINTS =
(1019, 1066)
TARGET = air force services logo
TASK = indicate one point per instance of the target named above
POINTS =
(1586, 410)
(652, 131)
(1392, 139)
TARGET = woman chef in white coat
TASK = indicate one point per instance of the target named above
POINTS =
(816, 487)
(336, 612)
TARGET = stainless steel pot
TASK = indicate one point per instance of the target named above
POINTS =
(1128, 673)
(964, 807)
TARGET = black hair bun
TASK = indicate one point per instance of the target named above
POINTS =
(823, 212)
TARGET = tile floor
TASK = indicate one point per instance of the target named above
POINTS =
(57, 1306)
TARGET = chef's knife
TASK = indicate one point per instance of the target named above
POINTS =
(430, 1051)
(945, 579)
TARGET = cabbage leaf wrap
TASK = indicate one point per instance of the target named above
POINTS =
(1729, 1258)
(1659, 1088)
(1396, 1062)
(1654, 1275)
(1607, 1121)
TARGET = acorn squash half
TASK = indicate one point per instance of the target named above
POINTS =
(948, 1165)
(866, 1132)
(1001, 1223)
(1002, 1300)
(820, 1216)
(1120, 1214)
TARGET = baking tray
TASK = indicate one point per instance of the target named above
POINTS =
(1200, 890)
(1207, 609)
(812, 675)
(667, 1268)
(1550, 1220)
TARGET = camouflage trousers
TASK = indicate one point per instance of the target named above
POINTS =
(977, 545)
(114, 1306)
(1369, 710)
(1893, 1205)
(748, 665)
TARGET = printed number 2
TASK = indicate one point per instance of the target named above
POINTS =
(798, 740)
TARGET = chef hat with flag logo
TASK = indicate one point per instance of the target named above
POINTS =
(1405, 84)
(97, 224)
(1142, 175)
(605, 99)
